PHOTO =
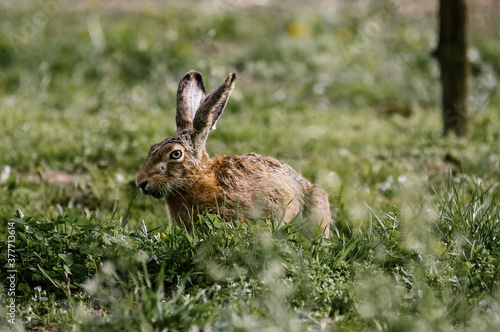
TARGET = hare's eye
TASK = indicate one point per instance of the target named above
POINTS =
(176, 154)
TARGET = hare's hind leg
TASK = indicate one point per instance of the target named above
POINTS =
(317, 209)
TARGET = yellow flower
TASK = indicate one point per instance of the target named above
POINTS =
(298, 29)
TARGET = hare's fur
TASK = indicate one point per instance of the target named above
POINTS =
(250, 186)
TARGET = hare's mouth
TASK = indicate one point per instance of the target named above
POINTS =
(145, 188)
(154, 193)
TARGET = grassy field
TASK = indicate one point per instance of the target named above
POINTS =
(347, 94)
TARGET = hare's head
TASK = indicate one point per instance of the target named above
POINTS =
(174, 163)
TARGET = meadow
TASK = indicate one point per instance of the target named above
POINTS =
(346, 93)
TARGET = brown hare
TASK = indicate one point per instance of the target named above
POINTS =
(250, 186)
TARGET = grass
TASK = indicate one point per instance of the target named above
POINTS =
(348, 95)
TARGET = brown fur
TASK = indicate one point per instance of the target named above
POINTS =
(243, 187)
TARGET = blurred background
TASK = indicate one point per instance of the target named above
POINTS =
(346, 92)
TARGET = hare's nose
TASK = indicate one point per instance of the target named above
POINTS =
(143, 185)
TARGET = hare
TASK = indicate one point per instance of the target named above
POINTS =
(250, 186)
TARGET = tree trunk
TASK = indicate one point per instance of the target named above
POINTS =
(452, 56)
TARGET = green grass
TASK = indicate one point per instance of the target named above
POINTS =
(348, 95)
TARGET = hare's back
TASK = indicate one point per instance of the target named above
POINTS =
(253, 167)
(259, 187)
(252, 177)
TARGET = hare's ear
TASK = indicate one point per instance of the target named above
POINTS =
(210, 110)
(190, 94)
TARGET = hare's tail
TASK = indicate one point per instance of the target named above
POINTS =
(317, 208)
